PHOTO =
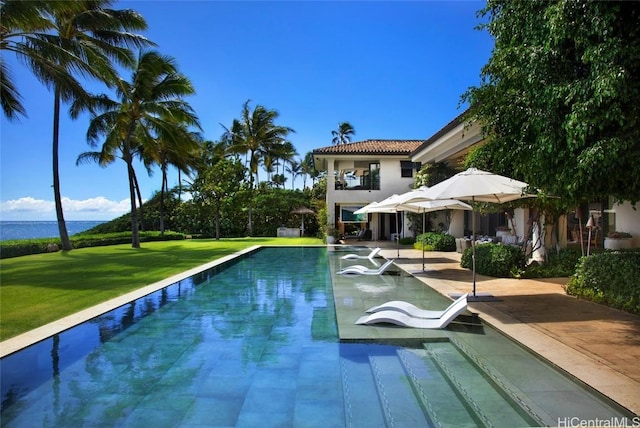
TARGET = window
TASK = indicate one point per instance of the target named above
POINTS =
(347, 215)
(374, 176)
(406, 168)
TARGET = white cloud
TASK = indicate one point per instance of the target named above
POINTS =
(98, 208)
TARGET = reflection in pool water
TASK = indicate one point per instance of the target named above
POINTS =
(251, 343)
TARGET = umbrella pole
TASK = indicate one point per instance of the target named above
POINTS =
(423, 231)
(473, 245)
(398, 233)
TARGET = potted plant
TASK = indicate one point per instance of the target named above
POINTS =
(332, 233)
(617, 240)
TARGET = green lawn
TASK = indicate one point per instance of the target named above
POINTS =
(38, 289)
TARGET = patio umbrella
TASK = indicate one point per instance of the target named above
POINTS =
(374, 207)
(482, 186)
(390, 205)
(302, 211)
(378, 207)
(430, 206)
(410, 201)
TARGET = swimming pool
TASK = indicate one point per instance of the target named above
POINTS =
(254, 343)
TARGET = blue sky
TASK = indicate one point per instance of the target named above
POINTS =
(394, 70)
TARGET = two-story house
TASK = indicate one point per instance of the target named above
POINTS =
(362, 172)
(367, 171)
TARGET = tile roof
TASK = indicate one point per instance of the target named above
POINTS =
(372, 147)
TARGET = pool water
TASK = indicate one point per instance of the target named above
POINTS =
(251, 343)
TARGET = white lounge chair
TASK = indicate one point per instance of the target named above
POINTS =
(363, 270)
(412, 310)
(404, 320)
(371, 255)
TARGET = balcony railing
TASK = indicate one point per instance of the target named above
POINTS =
(364, 182)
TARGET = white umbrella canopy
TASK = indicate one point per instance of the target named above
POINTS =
(374, 207)
(415, 195)
(477, 185)
(430, 206)
(482, 186)
(415, 200)
(392, 202)
(435, 205)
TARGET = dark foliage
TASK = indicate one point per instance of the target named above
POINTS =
(610, 278)
(436, 241)
(495, 260)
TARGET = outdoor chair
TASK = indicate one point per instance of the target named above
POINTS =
(404, 320)
(363, 270)
(412, 310)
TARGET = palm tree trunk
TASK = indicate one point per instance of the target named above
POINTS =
(162, 192)
(137, 187)
(251, 212)
(135, 236)
(62, 226)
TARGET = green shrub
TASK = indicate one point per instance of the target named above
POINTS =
(558, 264)
(407, 241)
(435, 241)
(25, 247)
(495, 259)
(609, 278)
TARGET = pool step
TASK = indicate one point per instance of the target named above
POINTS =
(441, 384)
(362, 407)
(440, 401)
(398, 400)
(482, 391)
(377, 392)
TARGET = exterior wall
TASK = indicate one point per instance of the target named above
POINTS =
(628, 220)
(390, 183)
(452, 145)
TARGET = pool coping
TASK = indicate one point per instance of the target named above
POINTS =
(39, 334)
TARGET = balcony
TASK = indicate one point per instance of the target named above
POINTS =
(355, 181)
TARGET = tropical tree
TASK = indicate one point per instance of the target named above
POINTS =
(433, 173)
(295, 169)
(343, 134)
(23, 23)
(278, 180)
(308, 169)
(560, 96)
(255, 134)
(180, 149)
(149, 107)
(63, 38)
(215, 186)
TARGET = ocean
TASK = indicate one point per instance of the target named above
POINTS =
(41, 229)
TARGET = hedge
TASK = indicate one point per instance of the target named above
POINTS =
(611, 278)
(497, 260)
(435, 241)
(25, 247)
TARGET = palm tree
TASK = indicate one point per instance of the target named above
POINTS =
(255, 134)
(294, 169)
(23, 24)
(63, 38)
(149, 107)
(343, 134)
(308, 169)
(180, 149)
